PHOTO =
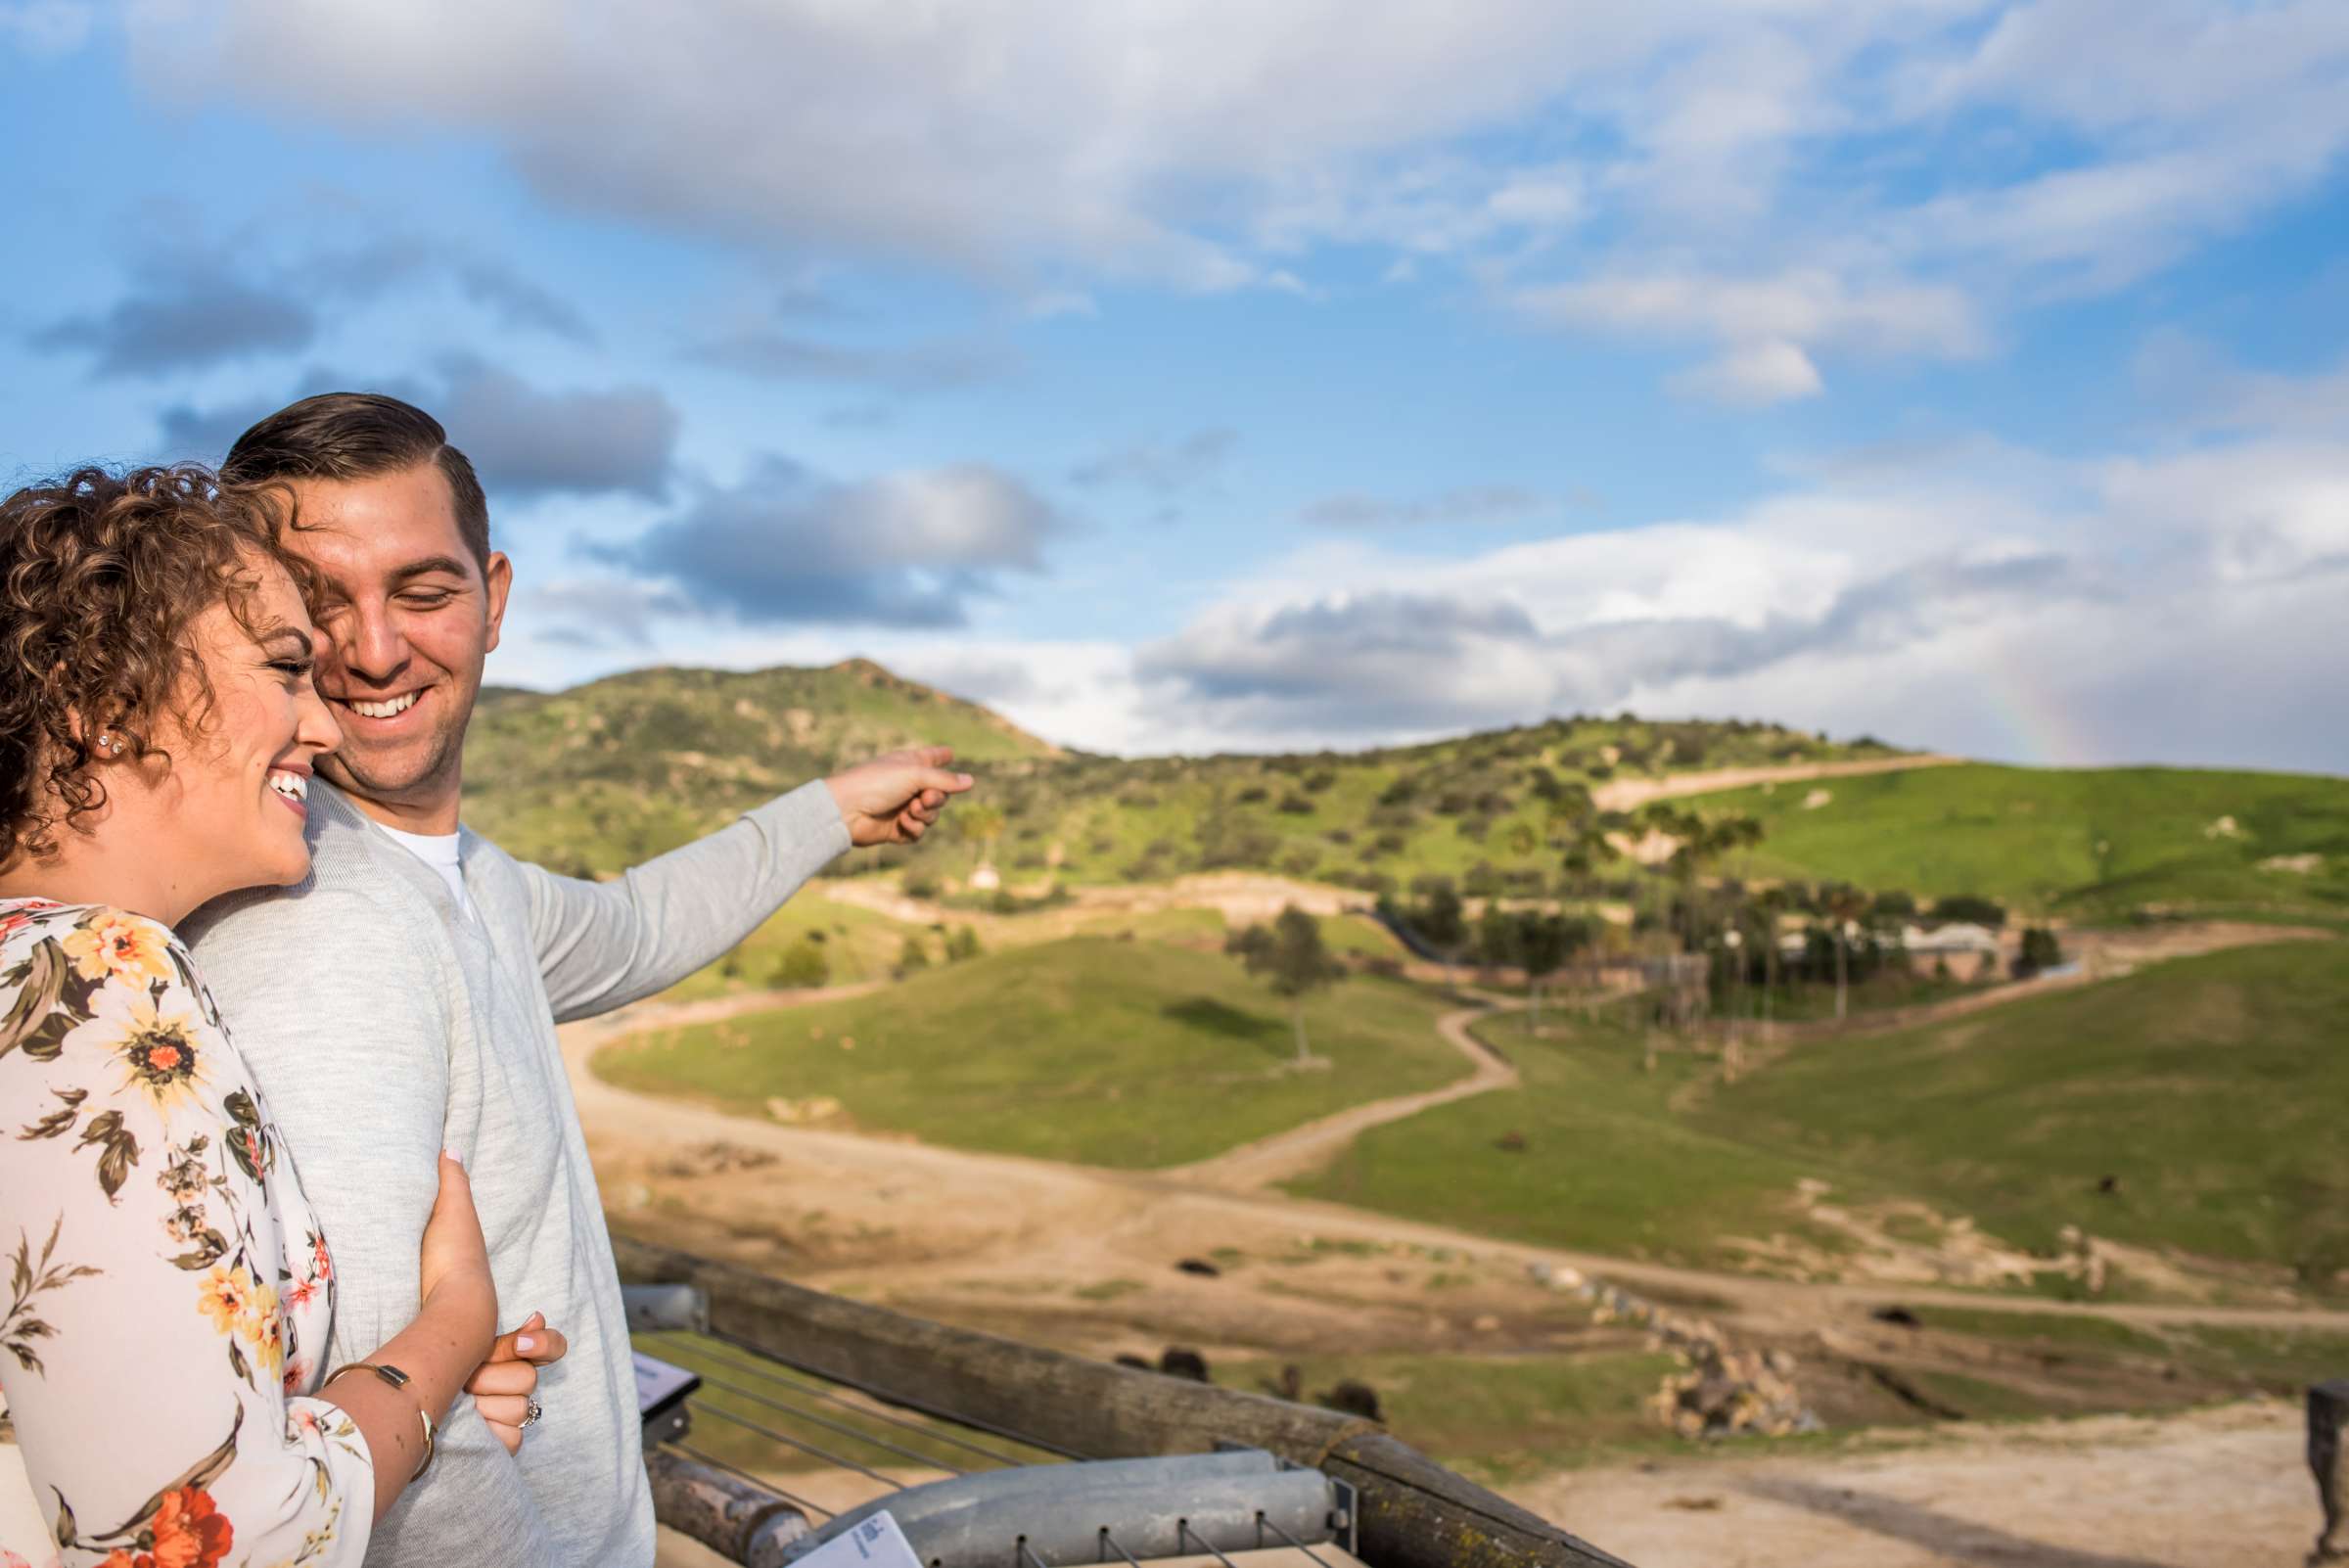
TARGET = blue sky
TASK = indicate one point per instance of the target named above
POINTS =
(1278, 374)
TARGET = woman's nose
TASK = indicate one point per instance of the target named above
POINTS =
(317, 727)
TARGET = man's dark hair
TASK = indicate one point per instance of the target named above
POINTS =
(356, 435)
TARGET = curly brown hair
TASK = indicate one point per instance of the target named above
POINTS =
(100, 577)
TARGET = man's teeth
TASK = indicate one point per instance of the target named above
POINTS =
(386, 710)
(293, 786)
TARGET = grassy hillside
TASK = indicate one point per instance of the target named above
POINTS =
(1119, 1053)
(600, 776)
(605, 774)
(2085, 843)
(2209, 1088)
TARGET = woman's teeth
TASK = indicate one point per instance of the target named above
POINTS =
(385, 709)
(293, 786)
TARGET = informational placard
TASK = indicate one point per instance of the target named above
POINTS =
(875, 1541)
(660, 1385)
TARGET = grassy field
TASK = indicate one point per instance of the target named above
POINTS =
(1132, 1054)
(1605, 1164)
(2085, 843)
(2209, 1088)
(1497, 1417)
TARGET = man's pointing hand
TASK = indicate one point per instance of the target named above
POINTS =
(894, 797)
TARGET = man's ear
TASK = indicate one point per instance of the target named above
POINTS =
(499, 581)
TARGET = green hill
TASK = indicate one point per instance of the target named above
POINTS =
(598, 777)
(2085, 843)
(2208, 1088)
(603, 775)
(1132, 1054)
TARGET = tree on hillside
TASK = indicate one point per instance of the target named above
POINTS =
(1291, 955)
(1439, 921)
(1974, 910)
(2040, 951)
(1544, 942)
(1843, 904)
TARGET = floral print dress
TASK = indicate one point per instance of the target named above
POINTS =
(168, 1294)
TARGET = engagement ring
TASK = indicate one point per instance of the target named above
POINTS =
(530, 1414)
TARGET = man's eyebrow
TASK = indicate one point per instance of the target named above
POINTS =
(428, 566)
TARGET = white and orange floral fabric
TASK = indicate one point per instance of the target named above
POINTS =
(168, 1293)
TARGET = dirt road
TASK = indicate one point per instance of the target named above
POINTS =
(1285, 1156)
(2210, 1489)
(1628, 794)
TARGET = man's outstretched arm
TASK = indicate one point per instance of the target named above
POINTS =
(602, 944)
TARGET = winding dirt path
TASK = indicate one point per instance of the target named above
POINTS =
(1285, 1156)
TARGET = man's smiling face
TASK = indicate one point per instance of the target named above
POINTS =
(415, 614)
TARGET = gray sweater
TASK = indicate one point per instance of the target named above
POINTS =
(383, 1026)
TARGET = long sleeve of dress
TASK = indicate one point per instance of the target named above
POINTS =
(168, 1296)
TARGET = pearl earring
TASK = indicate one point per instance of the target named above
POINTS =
(106, 743)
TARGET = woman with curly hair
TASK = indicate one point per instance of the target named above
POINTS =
(161, 1343)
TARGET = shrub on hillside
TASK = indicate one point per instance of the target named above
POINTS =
(2041, 952)
(1976, 910)
(803, 967)
(1295, 806)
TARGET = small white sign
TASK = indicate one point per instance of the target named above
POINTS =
(658, 1383)
(875, 1543)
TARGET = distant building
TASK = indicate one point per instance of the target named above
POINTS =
(1949, 939)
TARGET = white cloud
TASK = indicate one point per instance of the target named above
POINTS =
(1770, 371)
(1766, 175)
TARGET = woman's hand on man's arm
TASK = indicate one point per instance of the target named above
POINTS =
(503, 1385)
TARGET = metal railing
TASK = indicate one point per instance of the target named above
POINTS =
(812, 1408)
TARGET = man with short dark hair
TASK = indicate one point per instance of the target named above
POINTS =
(403, 997)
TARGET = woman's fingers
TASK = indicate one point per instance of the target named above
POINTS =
(508, 1379)
(534, 1341)
(510, 1436)
(502, 1409)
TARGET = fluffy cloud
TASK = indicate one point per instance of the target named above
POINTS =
(2176, 606)
(1762, 178)
(910, 549)
(188, 312)
(182, 319)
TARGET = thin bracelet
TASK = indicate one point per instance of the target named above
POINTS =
(397, 1379)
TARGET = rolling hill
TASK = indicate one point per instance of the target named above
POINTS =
(593, 780)
(597, 778)
(603, 775)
